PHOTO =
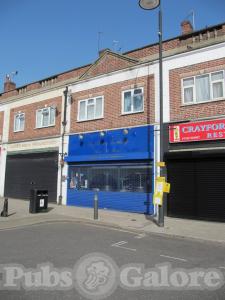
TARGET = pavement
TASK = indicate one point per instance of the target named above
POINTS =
(19, 216)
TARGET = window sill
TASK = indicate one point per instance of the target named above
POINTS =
(80, 121)
(203, 102)
(44, 127)
(16, 131)
(131, 113)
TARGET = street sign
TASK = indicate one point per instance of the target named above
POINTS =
(197, 131)
(166, 187)
(159, 186)
(163, 179)
(161, 164)
(158, 198)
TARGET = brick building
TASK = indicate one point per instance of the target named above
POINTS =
(110, 138)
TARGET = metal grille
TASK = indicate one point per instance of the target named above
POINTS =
(118, 178)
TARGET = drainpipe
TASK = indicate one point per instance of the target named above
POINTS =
(62, 154)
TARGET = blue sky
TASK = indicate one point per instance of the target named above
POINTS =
(40, 38)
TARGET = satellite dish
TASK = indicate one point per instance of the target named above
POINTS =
(149, 4)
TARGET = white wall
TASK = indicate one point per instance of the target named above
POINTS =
(2, 168)
(65, 172)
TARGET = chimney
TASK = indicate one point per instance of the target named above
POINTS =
(8, 84)
(186, 27)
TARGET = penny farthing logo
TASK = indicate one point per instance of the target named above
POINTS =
(95, 276)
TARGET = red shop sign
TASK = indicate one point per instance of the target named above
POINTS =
(197, 131)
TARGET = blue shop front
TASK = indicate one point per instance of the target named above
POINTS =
(119, 163)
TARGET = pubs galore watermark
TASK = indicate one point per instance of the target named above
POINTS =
(96, 276)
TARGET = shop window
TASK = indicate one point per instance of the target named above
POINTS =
(203, 88)
(79, 178)
(135, 179)
(19, 121)
(90, 109)
(105, 179)
(132, 101)
(45, 117)
(119, 178)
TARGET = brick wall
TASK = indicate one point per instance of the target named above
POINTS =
(182, 40)
(153, 49)
(37, 85)
(8, 94)
(194, 111)
(107, 64)
(30, 130)
(195, 37)
(72, 74)
(1, 123)
(112, 106)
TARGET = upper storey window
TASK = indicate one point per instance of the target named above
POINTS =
(45, 117)
(90, 109)
(203, 88)
(19, 121)
(132, 101)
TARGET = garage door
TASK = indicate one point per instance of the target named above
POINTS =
(40, 168)
(197, 188)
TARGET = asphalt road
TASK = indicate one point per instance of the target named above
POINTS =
(63, 244)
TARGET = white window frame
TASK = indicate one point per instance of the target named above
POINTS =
(86, 106)
(132, 105)
(211, 82)
(215, 81)
(14, 126)
(189, 86)
(49, 117)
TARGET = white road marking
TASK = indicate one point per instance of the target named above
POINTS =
(119, 245)
(126, 248)
(140, 236)
(176, 258)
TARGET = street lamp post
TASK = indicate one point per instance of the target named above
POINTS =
(149, 5)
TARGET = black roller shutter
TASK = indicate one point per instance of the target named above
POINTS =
(40, 168)
(197, 188)
(181, 200)
(210, 175)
